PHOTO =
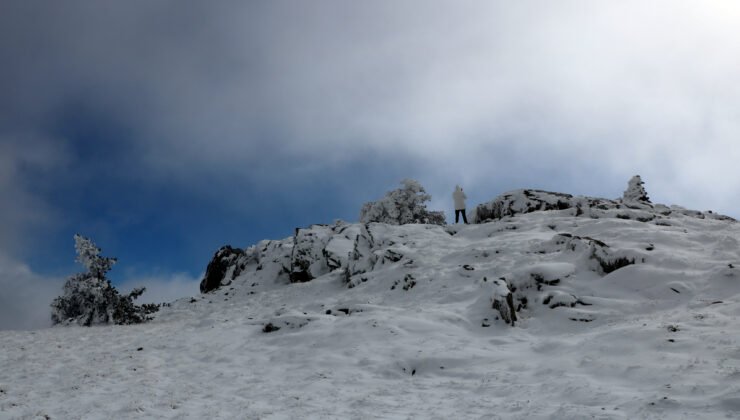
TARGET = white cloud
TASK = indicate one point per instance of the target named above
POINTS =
(26, 296)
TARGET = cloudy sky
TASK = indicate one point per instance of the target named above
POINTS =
(165, 129)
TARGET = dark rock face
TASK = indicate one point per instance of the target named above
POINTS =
(217, 270)
(269, 327)
(300, 275)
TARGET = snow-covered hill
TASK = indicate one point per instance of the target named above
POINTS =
(603, 310)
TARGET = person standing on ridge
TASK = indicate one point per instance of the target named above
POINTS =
(459, 197)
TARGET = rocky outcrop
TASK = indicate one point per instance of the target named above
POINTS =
(547, 283)
(601, 257)
(310, 253)
(307, 260)
(528, 201)
(361, 258)
(320, 249)
(223, 268)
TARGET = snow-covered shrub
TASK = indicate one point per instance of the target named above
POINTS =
(635, 192)
(402, 206)
(89, 298)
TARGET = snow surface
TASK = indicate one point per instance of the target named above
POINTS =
(415, 337)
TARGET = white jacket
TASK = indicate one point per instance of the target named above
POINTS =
(459, 197)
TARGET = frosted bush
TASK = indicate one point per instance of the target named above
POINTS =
(402, 206)
(88, 254)
(90, 299)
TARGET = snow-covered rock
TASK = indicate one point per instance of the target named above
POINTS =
(527, 201)
(635, 193)
(503, 301)
(226, 264)
(310, 258)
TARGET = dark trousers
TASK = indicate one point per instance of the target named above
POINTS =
(457, 216)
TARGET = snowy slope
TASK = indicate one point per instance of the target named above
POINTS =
(397, 322)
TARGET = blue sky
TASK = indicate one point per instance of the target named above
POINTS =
(166, 129)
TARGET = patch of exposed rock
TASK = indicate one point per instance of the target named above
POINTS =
(222, 269)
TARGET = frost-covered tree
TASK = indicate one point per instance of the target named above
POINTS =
(89, 298)
(88, 254)
(402, 206)
(635, 192)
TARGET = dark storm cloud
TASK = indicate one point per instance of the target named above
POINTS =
(25, 154)
(245, 85)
